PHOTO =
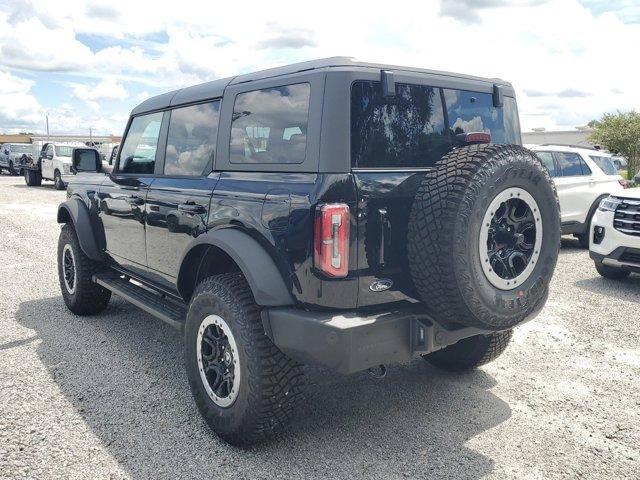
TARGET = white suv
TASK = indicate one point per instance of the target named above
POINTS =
(583, 178)
(615, 238)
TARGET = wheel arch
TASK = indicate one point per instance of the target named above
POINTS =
(229, 249)
(74, 212)
(592, 211)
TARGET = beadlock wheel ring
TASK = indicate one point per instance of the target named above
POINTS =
(510, 238)
(218, 361)
(69, 272)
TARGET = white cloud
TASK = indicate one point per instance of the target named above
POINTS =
(105, 90)
(568, 63)
(19, 109)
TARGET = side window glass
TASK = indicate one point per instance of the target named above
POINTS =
(570, 164)
(138, 154)
(191, 141)
(270, 125)
(547, 161)
(49, 151)
(585, 168)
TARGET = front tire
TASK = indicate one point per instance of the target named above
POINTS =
(244, 386)
(612, 273)
(470, 353)
(57, 180)
(75, 273)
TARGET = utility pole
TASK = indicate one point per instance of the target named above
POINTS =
(47, 117)
(91, 136)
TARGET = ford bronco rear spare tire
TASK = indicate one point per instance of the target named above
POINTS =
(484, 235)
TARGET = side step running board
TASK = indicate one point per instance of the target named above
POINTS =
(153, 303)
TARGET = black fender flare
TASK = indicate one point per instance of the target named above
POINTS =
(74, 211)
(260, 270)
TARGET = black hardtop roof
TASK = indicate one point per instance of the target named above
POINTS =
(205, 91)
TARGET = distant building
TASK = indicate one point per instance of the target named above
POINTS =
(577, 137)
(31, 138)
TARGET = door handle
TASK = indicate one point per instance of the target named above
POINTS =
(134, 200)
(192, 208)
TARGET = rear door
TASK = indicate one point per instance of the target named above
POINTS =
(575, 187)
(124, 193)
(178, 201)
(394, 142)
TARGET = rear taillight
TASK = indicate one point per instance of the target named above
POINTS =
(331, 239)
(624, 183)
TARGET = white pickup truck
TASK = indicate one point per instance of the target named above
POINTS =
(53, 163)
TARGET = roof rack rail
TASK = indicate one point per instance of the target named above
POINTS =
(586, 147)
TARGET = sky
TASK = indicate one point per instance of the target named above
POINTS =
(87, 63)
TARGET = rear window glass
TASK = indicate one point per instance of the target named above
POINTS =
(21, 149)
(474, 112)
(411, 129)
(270, 125)
(407, 130)
(605, 164)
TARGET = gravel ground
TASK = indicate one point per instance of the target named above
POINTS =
(106, 396)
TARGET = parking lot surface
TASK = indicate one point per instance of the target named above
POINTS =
(107, 397)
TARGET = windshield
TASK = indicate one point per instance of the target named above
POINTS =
(63, 151)
(605, 164)
(27, 148)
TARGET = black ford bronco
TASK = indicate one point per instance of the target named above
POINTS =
(333, 212)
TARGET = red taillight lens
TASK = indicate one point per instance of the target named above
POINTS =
(477, 137)
(331, 239)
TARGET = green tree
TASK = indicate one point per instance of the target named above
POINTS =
(620, 133)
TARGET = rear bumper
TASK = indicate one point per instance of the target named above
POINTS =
(348, 342)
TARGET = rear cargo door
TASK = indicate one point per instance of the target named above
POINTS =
(395, 141)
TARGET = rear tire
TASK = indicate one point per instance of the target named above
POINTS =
(75, 273)
(32, 178)
(471, 352)
(257, 405)
(612, 273)
(461, 217)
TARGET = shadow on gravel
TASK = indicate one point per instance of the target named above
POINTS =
(123, 373)
(44, 186)
(627, 289)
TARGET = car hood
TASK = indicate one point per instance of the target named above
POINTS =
(632, 193)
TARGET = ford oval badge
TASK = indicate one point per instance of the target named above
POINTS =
(381, 285)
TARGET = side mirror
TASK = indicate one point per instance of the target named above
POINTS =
(85, 160)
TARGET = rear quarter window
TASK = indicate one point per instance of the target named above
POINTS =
(605, 164)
